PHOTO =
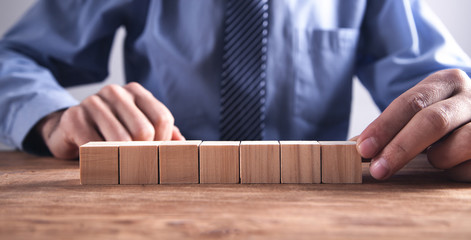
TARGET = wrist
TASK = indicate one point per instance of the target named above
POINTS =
(46, 126)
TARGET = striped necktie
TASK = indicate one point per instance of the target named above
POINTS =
(243, 85)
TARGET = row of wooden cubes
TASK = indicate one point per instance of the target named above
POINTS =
(170, 162)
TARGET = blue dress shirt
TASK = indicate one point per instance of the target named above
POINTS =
(174, 49)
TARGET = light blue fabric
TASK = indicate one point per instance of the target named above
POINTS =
(174, 48)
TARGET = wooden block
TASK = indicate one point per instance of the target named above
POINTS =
(138, 162)
(341, 163)
(99, 163)
(178, 162)
(300, 162)
(219, 162)
(260, 162)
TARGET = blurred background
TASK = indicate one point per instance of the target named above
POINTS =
(454, 14)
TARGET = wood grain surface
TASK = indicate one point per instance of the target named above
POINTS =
(178, 162)
(99, 163)
(300, 161)
(139, 162)
(341, 162)
(260, 162)
(41, 198)
(219, 162)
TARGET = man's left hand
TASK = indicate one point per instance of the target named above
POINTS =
(435, 116)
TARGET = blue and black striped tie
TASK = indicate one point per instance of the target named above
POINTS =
(243, 85)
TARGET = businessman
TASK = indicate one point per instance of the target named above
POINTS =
(239, 70)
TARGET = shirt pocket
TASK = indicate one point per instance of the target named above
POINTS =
(324, 61)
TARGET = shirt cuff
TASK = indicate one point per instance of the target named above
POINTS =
(31, 112)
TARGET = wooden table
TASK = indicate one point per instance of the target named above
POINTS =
(41, 198)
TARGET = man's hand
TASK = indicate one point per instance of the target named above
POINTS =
(113, 114)
(435, 116)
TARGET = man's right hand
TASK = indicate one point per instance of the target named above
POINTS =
(115, 113)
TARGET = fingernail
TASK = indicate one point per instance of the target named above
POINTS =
(368, 147)
(379, 169)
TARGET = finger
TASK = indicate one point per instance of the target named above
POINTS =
(80, 126)
(108, 125)
(460, 173)
(380, 132)
(425, 128)
(177, 135)
(123, 106)
(156, 112)
(354, 138)
(74, 129)
(452, 150)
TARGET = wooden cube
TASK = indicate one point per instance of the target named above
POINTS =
(178, 162)
(260, 162)
(138, 162)
(99, 163)
(300, 162)
(219, 162)
(341, 163)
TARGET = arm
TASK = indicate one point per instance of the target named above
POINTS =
(431, 115)
(65, 43)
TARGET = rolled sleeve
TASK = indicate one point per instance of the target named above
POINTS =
(56, 44)
(28, 92)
